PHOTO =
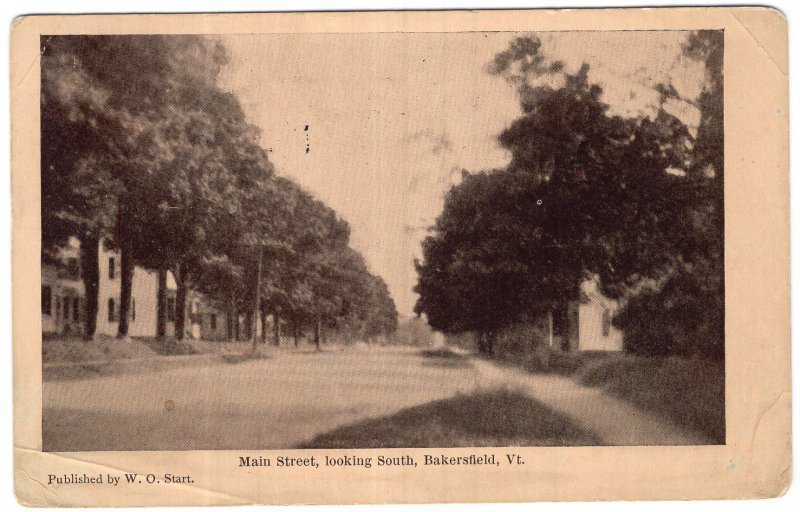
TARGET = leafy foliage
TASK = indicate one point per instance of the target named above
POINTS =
(157, 160)
(684, 312)
(586, 193)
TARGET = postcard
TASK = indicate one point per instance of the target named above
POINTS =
(400, 257)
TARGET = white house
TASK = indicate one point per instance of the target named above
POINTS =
(62, 293)
(585, 324)
(144, 298)
(209, 321)
(63, 300)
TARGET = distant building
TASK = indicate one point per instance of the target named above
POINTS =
(584, 324)
(62, 293)
(209, 321)
(63, 299)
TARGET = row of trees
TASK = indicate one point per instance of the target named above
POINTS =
(635, 201)
(143, 150)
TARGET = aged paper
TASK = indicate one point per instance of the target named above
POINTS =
(400, 257)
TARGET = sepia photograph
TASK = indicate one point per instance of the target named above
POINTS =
(400, 257)
(382, 240)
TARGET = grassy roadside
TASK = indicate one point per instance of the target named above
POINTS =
(74, 358)
(68, 358)
(104, 348)
(688, 392)
(110, 349)
(495, 418)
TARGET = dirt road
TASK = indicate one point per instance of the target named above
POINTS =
(287, 400)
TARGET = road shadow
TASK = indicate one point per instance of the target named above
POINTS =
(493, 418)
(243, 358)
(444, 358)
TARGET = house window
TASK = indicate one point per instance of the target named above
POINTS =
(65, 309)
(213, 322)
(112, 311)
(170, 309)
(58, 307)
(133, 309)
(47, 300)
(73, 269)
(606, 322)
(76, 309)
(112, 267)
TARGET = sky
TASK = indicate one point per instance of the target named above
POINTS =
(393, 118)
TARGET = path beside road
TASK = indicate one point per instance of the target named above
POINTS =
(614, 420)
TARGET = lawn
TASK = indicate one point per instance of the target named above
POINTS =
(496, 418)
(690, 392)
(104, 348)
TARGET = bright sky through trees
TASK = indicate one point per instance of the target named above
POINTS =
(393, 118)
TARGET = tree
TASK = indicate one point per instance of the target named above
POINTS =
(189, 157)
(206, 208)
(611, 189)
(683, 312)
(171, 158)
(586, 193)
(321, 237)
(487, 263)
(105, 129)
(159, 163)
(224, 280)
(380, 317)
(349, 297)
(80, 137)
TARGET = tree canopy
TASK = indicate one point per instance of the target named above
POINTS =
(586, 193)
(156, 160)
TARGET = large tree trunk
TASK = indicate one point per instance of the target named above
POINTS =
(481, 342)
(180, 300)
(263, 317)
(566, 329)
(317, 329)
(247, 326)
(90, 273)
(230, 319)
(276, 328)
(491, 337)
(161, 304)
(256, 303)
(125, 286)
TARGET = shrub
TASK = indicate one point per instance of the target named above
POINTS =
(685, 316)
